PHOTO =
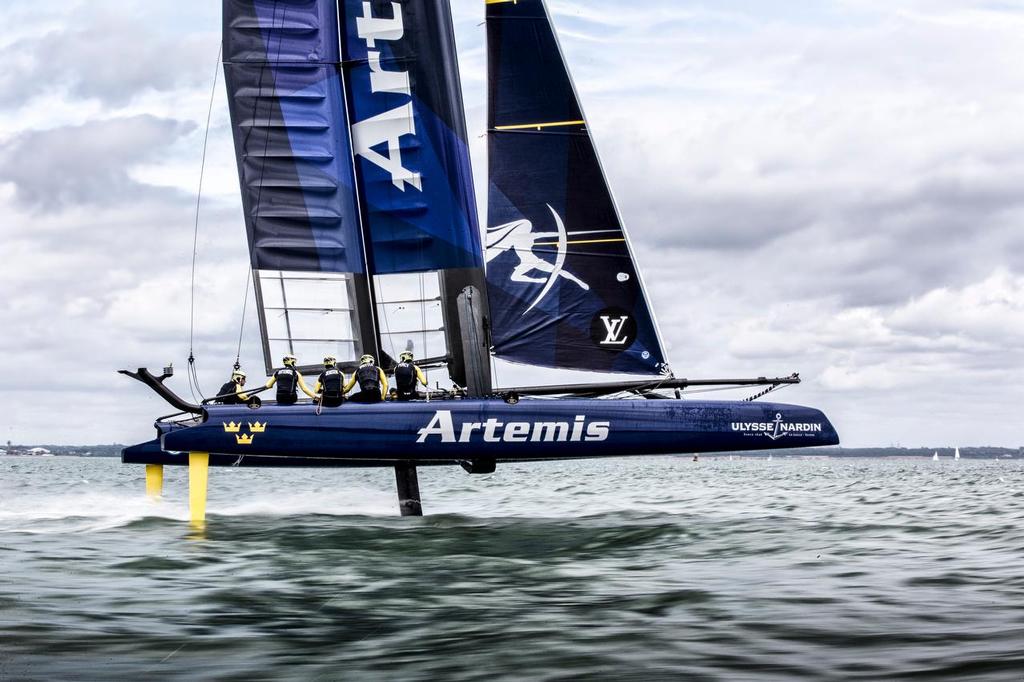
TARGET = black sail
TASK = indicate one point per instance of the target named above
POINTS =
(563, 286)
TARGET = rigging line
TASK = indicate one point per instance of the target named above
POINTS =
(263, 169)
(423, 315)
(387, 328)
(245, 307)
(193, 377)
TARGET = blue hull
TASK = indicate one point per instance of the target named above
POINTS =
(458, 430)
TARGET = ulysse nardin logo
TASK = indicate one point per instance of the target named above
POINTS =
(777, 429)
(390, 126)
(613, 329)
(442, 428)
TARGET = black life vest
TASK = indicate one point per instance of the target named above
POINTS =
(229, 394)
(405, 378)
(368, 378)
(332, 383)
(287, 385)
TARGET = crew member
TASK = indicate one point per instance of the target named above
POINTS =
(289, 380)
(407, 375)
(231, 393)
(373, 383)
(330, 385)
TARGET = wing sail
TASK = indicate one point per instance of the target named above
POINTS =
(294, 153)
(409, 136)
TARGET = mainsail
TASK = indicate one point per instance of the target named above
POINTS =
(564, 290)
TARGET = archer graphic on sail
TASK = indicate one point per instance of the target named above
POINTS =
(519, 238)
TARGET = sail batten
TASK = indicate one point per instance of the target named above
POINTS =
(564, 289)
(291, 135)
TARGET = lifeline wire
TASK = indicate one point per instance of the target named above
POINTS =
(193, 377)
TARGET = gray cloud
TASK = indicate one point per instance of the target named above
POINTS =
(107, 53)
(829, 189)
(86, 164)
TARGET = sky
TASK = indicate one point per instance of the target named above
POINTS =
(834, 191)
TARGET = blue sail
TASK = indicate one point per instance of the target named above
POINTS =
(563, 287)
(291, 134)
(409, 136)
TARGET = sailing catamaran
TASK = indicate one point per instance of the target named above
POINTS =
(359, 206)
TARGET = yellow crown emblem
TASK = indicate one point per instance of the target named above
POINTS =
(232, 427)
(257, 427)
(244, 439)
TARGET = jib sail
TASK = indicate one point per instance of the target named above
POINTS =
(564, 290)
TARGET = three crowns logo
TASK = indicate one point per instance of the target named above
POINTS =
(245, 438)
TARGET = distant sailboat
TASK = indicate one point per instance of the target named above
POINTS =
(769, 458)
(935, 457)
(956, 454)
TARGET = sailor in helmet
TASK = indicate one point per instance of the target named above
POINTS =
(373, 383)
(231, 393)
(330, 389)
(289, 380)
(407, 375)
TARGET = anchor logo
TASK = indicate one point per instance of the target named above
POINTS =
(777, 432)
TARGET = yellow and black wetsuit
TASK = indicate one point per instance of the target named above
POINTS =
(289, 380)
(373, 384)
(231, 393)
(407, 376)
(330, 387)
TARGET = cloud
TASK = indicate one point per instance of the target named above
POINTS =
(88, 164)
(830, 188)
(104, 51)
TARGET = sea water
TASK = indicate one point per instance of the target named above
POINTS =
(644, 569)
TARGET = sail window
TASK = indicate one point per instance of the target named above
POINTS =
(410, 315)
(308, 314)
